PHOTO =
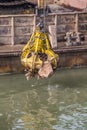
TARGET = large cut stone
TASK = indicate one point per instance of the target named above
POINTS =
(46, 70)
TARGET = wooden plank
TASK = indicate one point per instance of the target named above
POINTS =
(34, 22)
(76, 25)
(53, 36)
(12, 31)
(56, 20)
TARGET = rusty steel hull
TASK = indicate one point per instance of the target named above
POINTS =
(69, 57)
(72, 57)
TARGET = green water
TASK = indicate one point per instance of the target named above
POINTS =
(56, 103)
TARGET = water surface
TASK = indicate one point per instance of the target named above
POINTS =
(56, 103)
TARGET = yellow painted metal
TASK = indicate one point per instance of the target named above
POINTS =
(38, 43)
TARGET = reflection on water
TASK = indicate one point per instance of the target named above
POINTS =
(56, 103)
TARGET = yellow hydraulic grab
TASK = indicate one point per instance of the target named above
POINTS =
(38, 51)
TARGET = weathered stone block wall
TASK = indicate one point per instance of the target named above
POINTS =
(82, 24)
(23, 28)
(71, 23)
(17, 29)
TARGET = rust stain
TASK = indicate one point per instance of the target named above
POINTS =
(4, 69)
(76, 61)
(8, 68)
